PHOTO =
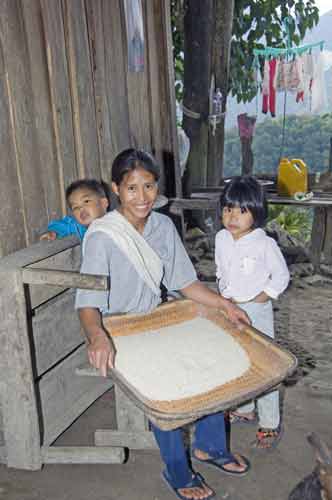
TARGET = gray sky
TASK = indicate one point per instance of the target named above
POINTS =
(324, 6)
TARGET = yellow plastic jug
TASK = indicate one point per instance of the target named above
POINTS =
(292, 177)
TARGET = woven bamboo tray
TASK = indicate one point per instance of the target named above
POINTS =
(269, 364)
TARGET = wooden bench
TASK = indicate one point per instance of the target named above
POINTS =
(41, 348)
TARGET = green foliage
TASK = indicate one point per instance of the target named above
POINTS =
(256, 23)
(177, 36)
(306, 137)
(296, 221)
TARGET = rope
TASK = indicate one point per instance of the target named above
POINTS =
(283, 127)
(190, 113)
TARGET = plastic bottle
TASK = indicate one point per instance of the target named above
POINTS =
(217, 103)
(136, 53)
(292, 177)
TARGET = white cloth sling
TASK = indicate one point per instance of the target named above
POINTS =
(145, 260)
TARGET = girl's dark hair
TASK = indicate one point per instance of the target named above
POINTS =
(246, 193)
(130, 159)
(100, 188)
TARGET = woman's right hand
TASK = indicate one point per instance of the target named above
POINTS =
(101, 352)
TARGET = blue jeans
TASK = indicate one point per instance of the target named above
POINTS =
(210, 436)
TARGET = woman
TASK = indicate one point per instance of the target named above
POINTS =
(142, 253)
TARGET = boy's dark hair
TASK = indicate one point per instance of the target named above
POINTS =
(246, 193)
(130, 159)
(100, 188)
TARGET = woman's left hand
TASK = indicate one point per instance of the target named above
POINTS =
(203, 295)
(235, 314)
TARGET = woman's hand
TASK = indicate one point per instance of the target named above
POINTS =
(101, 352)
(235, 314)
(203, 295)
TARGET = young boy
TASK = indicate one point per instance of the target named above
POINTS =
(87, 199)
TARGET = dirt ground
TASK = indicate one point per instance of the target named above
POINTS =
(303, 325)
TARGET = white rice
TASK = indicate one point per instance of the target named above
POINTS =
(181, 360)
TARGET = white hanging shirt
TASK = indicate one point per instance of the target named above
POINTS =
(318, 88)
(250, 265)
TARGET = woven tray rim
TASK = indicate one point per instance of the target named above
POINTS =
(215, 400)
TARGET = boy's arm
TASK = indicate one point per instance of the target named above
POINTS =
(66, 226)
(49, 236)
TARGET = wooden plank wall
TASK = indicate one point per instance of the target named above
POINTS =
(68, 105)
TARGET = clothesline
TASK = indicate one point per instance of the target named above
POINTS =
(294, 70)
(284, 71)
(273, 51)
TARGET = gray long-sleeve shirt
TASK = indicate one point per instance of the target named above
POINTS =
(128, 292)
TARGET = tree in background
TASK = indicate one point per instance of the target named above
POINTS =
(207, 36)
(203, 38)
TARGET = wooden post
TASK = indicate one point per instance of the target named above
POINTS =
(220, 69)
(19, 403)
(198, 29)
(327, 248)
(169, 106)
(128, 416)
(133, 427)
(317, 237)
(246, 126)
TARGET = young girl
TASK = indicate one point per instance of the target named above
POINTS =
(251, 271)
(110, 247)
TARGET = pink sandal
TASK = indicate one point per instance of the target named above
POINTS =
(267, 439)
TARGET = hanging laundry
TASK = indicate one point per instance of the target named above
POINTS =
(268, 87)
(306, 69)
(318, 88)
(246, 126)
(288, 76)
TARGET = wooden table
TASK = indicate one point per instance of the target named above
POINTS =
(321, 234)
